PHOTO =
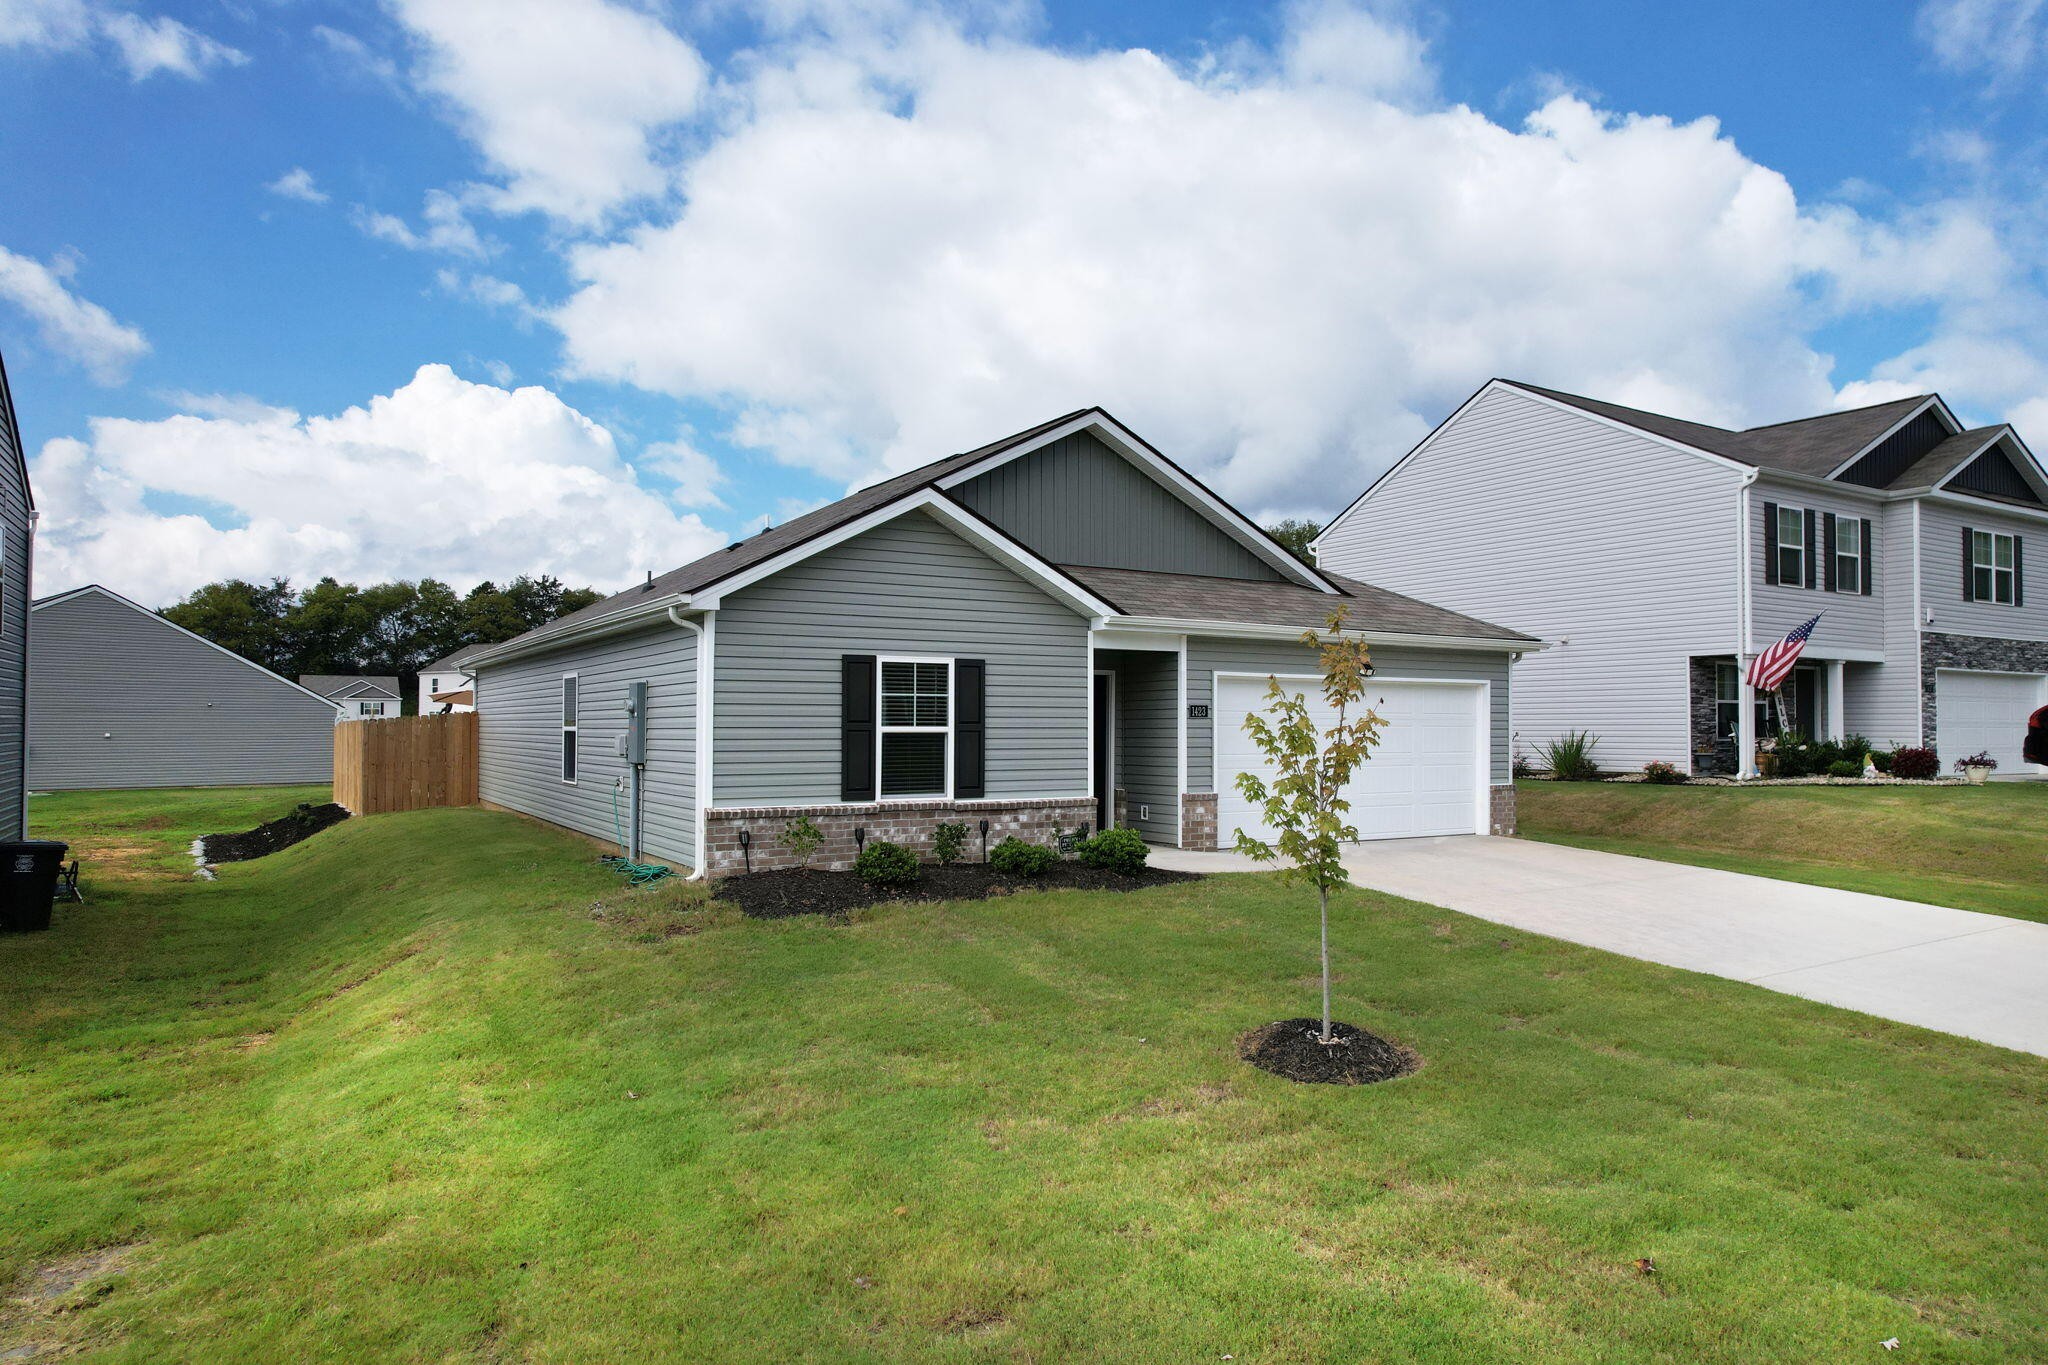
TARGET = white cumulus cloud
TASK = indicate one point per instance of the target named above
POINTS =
(145, 45)
(441, 477)
(2002, 37)
(74, 327)
(444, 227)
(298, 183)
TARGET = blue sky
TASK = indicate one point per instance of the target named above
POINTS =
(589, 286)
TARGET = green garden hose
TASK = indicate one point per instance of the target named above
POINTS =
(636, 874)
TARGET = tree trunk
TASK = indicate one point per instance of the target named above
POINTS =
(1323, 893)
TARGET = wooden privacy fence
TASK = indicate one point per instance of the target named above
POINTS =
(405, 764)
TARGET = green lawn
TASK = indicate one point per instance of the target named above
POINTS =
(1977, 848)
(434, 1087)
(120, 835)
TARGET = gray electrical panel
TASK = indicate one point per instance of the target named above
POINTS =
(636, 723)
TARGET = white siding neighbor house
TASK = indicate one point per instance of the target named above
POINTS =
(1062, 630)
(1657, 556)
(355, 696)
(446, 686)
(120, 697)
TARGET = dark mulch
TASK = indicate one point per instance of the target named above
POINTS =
(778, 895)
(303, 823)
(1293, 1048)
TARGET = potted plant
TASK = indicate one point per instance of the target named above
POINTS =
(1767, 758)
(1976, 767)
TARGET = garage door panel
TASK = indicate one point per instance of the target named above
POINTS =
(1986, 712)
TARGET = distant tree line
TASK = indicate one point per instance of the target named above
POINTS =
(388, 628)
(1295, 534)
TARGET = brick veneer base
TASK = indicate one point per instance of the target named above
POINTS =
(1198, 821)
(1501, 810)
(903, 822)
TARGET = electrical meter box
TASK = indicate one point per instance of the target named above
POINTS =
(634, 744)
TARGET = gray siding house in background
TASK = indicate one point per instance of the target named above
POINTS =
(1659, 555)
(17, 540)
(356, 696)
(120, 697)
(1061, 630)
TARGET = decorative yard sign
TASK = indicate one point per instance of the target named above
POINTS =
(1198, 711)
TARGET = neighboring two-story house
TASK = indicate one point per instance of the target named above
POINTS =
(447, 686)
(355, 696)
(1657, 556)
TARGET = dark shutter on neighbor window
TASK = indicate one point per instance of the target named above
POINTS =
(1869, 557)
(2019, 577)
(1827, 563)
(857, 727)
(970, 729)
(1770, 542)
(1812, 537)
(1969, 565)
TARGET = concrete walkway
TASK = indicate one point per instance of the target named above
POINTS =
(1981, 976)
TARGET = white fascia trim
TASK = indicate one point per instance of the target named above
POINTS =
(640, 614)
(1990, 506)
(957, 518)
(1155, 642)
(111, 595)
(1933, 401)
(1397, 466)
(1242, 630)
(1127, 444)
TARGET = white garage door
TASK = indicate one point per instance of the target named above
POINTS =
(1986, 712)
(1424, 777)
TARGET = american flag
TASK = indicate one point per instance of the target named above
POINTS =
(1769, 668)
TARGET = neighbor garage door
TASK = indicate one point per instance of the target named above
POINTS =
(1426, 776)
(1985, 712)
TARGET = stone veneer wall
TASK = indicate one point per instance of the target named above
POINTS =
(1198, 821)
(904, 822)
(1501, 809)
(1706, 715)
(1971, 651)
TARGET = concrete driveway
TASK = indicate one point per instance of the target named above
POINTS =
(1981, 976)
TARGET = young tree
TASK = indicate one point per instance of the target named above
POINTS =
(1304, 803)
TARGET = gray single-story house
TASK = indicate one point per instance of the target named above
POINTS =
(17, 541)
(121, 697)
(1060, 630)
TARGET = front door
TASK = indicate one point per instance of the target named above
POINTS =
(1104, 740)
(1806, 702)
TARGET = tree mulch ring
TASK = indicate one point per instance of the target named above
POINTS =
(303, 823)
(1293, 1049)
(796, 891)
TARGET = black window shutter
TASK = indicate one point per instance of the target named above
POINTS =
(857, 727)
(970, 729)
(1827, 564)
(1869, 557)
(2019, 576)
(1770, 542)
(1969, 565)
(1812, 534)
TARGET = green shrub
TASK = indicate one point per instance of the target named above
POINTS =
(1843, 767)
(1570, 757)
(1116, 850)
(1796, 755)
(947, 842)
(1663, 774)
(802, 837)
(1015, 858)
(882, 863)
(1917, 765)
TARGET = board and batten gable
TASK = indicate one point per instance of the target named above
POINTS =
(1853, 621)
(1076, 501)
(1616, 549)
(15, 590)
(1210, 655)
(1941, 573)
(520, 737)
(909, 586)
(120, 697)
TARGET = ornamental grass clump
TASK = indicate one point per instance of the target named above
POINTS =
(1570, 756)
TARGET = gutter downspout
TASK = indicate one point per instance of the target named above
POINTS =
(1745, 724)
(703, 710)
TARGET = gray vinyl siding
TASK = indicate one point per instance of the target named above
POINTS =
(1619, 551)
(520, 738)
(910, 587)
(1148, 739)
(119, 697)
(1941, 568)
(1076, 501)
(1208, 656)
(1884, 699)
(15, 591)
(1852, 621)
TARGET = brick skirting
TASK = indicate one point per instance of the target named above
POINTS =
(909, 823)
(1198, 821)
(1501, 810)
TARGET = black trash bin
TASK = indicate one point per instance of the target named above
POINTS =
(28, 883)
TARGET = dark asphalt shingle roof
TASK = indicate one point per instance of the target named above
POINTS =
(1809, 445)
(1192, 597)
(451, 663)
(331, 685)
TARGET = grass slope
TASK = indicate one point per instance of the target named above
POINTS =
(148, 834)
(1976, 848)
(374, 1097)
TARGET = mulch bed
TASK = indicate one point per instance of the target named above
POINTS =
(303, 823)
(1293, 1049)
(778, 895)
